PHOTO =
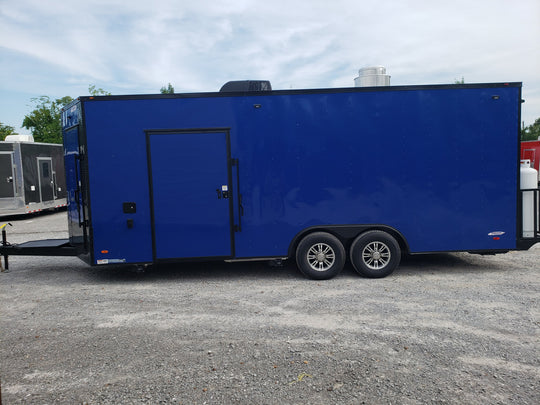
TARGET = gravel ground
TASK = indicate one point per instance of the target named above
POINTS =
(445, 328)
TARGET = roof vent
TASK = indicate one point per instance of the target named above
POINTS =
(372, 76)
(19, 138)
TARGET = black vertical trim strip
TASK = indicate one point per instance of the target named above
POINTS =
(231, 192)
(77, 193)
(536, 233)
(519, 213)
(88, 232)
(238, 195)
(151, 195)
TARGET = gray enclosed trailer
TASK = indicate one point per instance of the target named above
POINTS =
(32, 177)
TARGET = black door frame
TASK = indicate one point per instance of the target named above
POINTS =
(226, 131)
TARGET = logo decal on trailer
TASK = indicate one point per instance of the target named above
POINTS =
(496, 233)
(111, 261)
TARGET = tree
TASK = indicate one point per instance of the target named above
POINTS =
(6, 130)
(97, 92)
(167, 90)
(532, 132)
(45, 120)
(462, 81)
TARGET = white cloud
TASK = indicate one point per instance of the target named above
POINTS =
(138, 46)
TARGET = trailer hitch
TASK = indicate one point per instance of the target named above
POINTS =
(5, 268)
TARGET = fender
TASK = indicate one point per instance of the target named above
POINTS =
(347, 233)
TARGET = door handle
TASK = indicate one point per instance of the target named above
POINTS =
(236, 163)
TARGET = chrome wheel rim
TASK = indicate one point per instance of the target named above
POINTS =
(321, 257)
(376, 255)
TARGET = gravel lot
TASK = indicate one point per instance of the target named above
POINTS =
(445, 328)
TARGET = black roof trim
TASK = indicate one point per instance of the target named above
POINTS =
(304, 91)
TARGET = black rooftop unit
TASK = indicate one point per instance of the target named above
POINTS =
(246, 85)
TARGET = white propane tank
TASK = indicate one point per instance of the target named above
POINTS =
(529, 178)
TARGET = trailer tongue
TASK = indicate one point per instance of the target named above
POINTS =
(43, 247)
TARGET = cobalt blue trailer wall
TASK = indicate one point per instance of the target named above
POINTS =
(439, 164)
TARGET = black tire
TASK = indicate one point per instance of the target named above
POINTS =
(320, 256)
(375, 254)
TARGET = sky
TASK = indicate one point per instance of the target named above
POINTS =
(59, 48)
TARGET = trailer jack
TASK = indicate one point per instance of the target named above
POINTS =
(5, 267)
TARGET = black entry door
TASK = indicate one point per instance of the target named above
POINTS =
(46, 183)
(191, 194)
(7, 189)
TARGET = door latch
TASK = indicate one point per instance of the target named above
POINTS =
(224, 191)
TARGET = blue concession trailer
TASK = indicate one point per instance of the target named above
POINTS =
(319, 176)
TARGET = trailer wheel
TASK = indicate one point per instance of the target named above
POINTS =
(375, 254)
(320, 256)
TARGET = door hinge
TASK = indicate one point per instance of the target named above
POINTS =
(234, 162)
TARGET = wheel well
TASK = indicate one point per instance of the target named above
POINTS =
(398, 236)
(347, 233)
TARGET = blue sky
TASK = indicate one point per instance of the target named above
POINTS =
(59, 48)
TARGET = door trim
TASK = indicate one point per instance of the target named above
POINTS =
(226, 132)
